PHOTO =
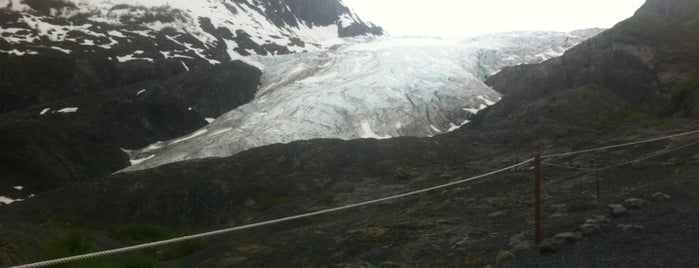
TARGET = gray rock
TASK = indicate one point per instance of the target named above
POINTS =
(631, 227)
(616, 210)
(635, 203)
(569, 237)
(503, 256)
(660, 196)
(521, 243)
(588, 229)
(550, 245)
(522, 247)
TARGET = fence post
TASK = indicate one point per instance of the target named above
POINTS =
(597, 182)
(537, 199)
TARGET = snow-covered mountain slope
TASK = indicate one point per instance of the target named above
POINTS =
(365, 88)
(211, 30)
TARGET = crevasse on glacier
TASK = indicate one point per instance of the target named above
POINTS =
(366, 88)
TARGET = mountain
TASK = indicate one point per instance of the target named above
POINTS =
(365, 88)
(645, 67)
(212, 30)
(111, 43)
(81, 81)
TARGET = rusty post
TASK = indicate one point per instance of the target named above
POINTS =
(537, 199)
(597, 182)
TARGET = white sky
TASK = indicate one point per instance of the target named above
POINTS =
(469, 17)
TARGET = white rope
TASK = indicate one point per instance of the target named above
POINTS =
(627, 162)
(620, 145)
(249, 226)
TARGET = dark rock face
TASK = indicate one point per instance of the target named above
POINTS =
(42, 152)
(46, 151)
(682, 8)
(213, 90)
(215, 190)
(646, 62)
(35, 79)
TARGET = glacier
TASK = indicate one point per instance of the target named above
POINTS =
(365, 87)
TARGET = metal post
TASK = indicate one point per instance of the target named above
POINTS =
(537, 199)
(597, 182)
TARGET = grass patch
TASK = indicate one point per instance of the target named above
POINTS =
(625, 114)
(268, 201)
(404, 173)
(75, 242)
(682, 100)
(135, 233)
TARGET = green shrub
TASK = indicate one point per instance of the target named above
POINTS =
(404, 173)
(268, 201)
(139, 233)
(68, 243)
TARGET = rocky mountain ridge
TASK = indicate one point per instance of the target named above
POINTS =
(106, 44)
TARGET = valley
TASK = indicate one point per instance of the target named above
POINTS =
(633, 82)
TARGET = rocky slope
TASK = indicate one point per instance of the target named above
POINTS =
(644, 66)
(83, 137)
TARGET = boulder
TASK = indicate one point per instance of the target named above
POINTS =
(635, 203)
(660, 196)
(616, 210)
(550, 245)
(588, 229)
(631, 227)
(569, 237)
(503, 256)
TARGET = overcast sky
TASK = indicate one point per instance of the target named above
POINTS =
(469, 17)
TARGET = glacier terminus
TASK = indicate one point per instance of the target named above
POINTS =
(365, 87)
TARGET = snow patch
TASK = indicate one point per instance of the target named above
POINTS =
(140, 160)
(132, 56)
(18, 187)
(367, 132)
(220, 131)
(68, 110)
(66, 51)
(116, 33)
(140, 92)
(155, 146)
(44, 111)
(6, 200)
(471, 110)
(209, 119)
(195, 134)
(487, 101)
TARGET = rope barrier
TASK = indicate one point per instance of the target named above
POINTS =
(274, 221)
(249, 226)
(627, 162)
(620, 145)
